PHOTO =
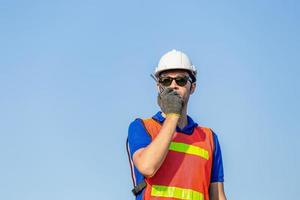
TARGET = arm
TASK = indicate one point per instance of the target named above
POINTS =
(216, 188)
(149, 159)
(216, 191)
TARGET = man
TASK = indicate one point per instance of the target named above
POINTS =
(171, 156)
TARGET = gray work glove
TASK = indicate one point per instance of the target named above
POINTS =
(170, 101)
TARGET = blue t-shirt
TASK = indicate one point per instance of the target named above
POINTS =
(139, 138)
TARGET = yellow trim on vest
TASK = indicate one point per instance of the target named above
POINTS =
(189, 149)
(175, 192)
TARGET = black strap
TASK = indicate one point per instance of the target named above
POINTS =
(138, 188)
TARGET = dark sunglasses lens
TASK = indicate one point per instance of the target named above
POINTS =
(181, 81)
(166, 81)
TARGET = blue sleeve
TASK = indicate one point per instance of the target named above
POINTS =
(217, 174)
(137, 136)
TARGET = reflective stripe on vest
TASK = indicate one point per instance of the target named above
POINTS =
(175, 192)
(189, 149)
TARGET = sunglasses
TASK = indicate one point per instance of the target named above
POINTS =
(180, 80)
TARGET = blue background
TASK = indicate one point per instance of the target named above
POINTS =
(74, 74)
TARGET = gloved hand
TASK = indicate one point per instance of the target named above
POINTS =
(170, 101)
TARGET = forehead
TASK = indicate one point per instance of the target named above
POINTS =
(174, 72)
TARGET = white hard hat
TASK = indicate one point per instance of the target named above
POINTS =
(175, 60)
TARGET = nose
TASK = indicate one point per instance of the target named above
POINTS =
(174, 85)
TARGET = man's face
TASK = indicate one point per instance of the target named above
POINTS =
(183, 91)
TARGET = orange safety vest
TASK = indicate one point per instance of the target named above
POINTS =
(186, 170)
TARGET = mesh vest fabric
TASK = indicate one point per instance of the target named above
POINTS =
(186, 170)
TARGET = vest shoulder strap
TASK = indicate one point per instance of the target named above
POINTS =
(209, 133)
(151, 126)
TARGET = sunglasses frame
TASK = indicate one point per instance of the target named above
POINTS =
(186, 78)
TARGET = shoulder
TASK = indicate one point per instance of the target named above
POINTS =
(215, 137)
(212, 134)
(135, 127)
(207, 130)
(137, 135)
(138, 124)
(135, 123)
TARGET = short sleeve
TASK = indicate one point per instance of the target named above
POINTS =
(137, 136)
(217, 173)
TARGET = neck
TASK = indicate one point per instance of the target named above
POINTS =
(182, 122)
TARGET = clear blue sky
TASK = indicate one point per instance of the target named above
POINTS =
(74, 74)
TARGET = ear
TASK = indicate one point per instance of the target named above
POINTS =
(193, 88)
